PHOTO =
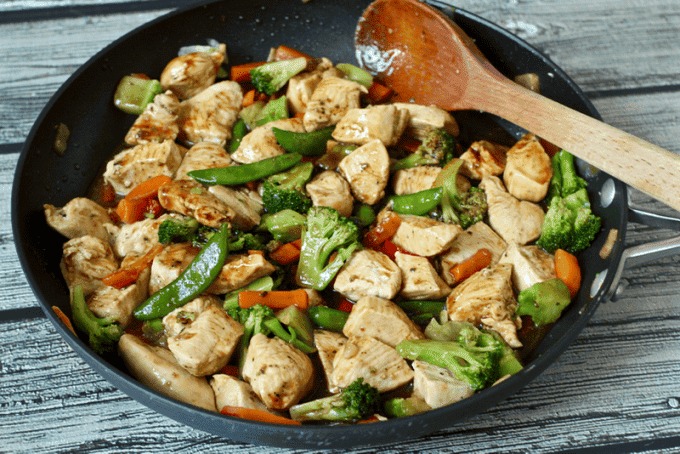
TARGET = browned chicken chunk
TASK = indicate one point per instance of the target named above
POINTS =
(381, 319)
(331, 99)
(157, 123)
(190, 74)
(79, 217)
(190, 198)
(367, 170)
(528, 170)
(368, 273)
(361, 126)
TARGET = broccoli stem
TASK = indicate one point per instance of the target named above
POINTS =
(103, 333)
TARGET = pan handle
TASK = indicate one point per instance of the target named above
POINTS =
(643, 253)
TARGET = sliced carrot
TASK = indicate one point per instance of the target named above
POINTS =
(479, 260)
(229, 369)
(142, 199)
(568, 270)
(276, 299)
(129, 211)
(288, 53)
(241, 73)
(149, 188)
(287, 253)
(64, 319)
(129, 274)
(379, 93)
(409, 144)
(257, 415)
(248, 98)
(345, 305)
(108, 194)
(153, 208)
(384, 230)
(299, 115)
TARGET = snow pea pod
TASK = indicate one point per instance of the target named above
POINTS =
(418, 203)
(328, 318)
(246, 173)
(311, 143)
(197, 277)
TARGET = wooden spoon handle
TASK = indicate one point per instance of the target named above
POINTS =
(638, 163)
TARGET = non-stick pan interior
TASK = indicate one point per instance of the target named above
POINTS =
(250, 28)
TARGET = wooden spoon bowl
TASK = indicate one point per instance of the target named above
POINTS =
(427, 59)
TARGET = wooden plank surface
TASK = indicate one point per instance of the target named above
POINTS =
(615, 389)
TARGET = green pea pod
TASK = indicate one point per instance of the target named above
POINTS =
(238, 132)
(422, 307)
(234, 175)
(328, 318)
(306, 143)
(418, 203)
(193, 281)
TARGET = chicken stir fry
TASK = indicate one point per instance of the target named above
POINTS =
(288, 244)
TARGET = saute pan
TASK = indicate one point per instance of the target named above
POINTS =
(321, 28)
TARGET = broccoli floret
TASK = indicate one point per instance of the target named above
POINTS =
(414, 160)
(284, 191)
(246, 241)
(183, 230)
(439, 145)
(460, 207)
(544, 301)
(103, 333)
(271, 77)
(355, 402)
(326, 232)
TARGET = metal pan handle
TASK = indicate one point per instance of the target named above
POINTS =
(643, 253)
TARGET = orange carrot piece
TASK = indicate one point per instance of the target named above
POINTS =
(568, 270)
(276, 299)
(379, 93)
(257, 415)
(248, 98)
(149, 188)
(345, 305)
(409, 144)
(287, 253)
(64, 319)
(288, 53)
(384, 230)
(129, 274)
(241, 73)
(129, 211)
(299, 115)
(480, 260)
(108, 194)
(229, 369)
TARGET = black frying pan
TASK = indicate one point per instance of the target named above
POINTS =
(250, 28)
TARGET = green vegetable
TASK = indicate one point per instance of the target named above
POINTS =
(250, 113)
(263, 284)
(275, 109)
(355, 402)
(183, 230)
(356, 74)
(285, 190)
(325, 232)
(103, 333)
(544, 301)
(285, 225)
(246, 241)
(363, 215)
(418, 203)
(298, 320)
(463, 208)
(306, 143)
(439, 145)
(414, 160)
(569, 223)
(271, 77)
(134, 93)
(238, 132)
(328, 318)
(197, 277)
(399, 407)
(422, 311)
(245, 173)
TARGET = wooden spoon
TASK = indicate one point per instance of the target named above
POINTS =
(426, 58)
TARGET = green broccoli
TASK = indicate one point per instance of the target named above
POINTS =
(184, 229)
(399, 407)
(439, 145)
(326, 232)
(103, 333)
(246, 241)
(458, 207)
(271, 77)
(413, 160)
(355, 402)
(544, 301)
(285, 190)
(285, 225)
(569, 223)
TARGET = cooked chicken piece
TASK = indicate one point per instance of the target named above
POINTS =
(157, 368)
(437, 386)
(361, 126)
(169, 264)
(260, 143)
(314, 297)
(239, 271)
(118, 304)
(379, 364)
(245, 217)
(330, 101)
(368, 273)
(424, 236)
(138, 237)
(381, 319)
(327, 344)
(528, 170)
(203, 155)
(425, 118)
(367, 170)
(486, 297)
(235, 393)
(530, 265)
(157, 123)
(280, 374)
(210, 115)
(79, 217)
(176, 321)
(514, 220)
(190, 74)
(415, 179)
(190, 198)
(206, 343)
(477, 236)
(420, 280)
(300, 90)
(330, 189)
(483, 159)
(136, 165)
(87, 260)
